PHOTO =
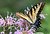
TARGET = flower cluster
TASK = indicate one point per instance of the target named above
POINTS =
(20, 25)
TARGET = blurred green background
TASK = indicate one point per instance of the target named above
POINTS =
(13, 6)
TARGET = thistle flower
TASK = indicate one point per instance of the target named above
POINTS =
(18, 32)
(9, 20)
(19, 22)
(23, 24)
(2, 22)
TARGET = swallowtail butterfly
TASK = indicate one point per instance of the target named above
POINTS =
(32, 15)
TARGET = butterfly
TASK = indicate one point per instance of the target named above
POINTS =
(32, 15)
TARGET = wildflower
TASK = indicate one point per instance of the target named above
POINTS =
(18, 32)
(2, 22)
(9, 20)
(19, 22)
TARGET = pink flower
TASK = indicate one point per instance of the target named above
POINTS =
(9, 20)
(2, 22)
(18, 32)
(19, 22)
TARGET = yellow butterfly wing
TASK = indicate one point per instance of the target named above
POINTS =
(38, 7)
(32, 17)
(23, 16)
(35, 12)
